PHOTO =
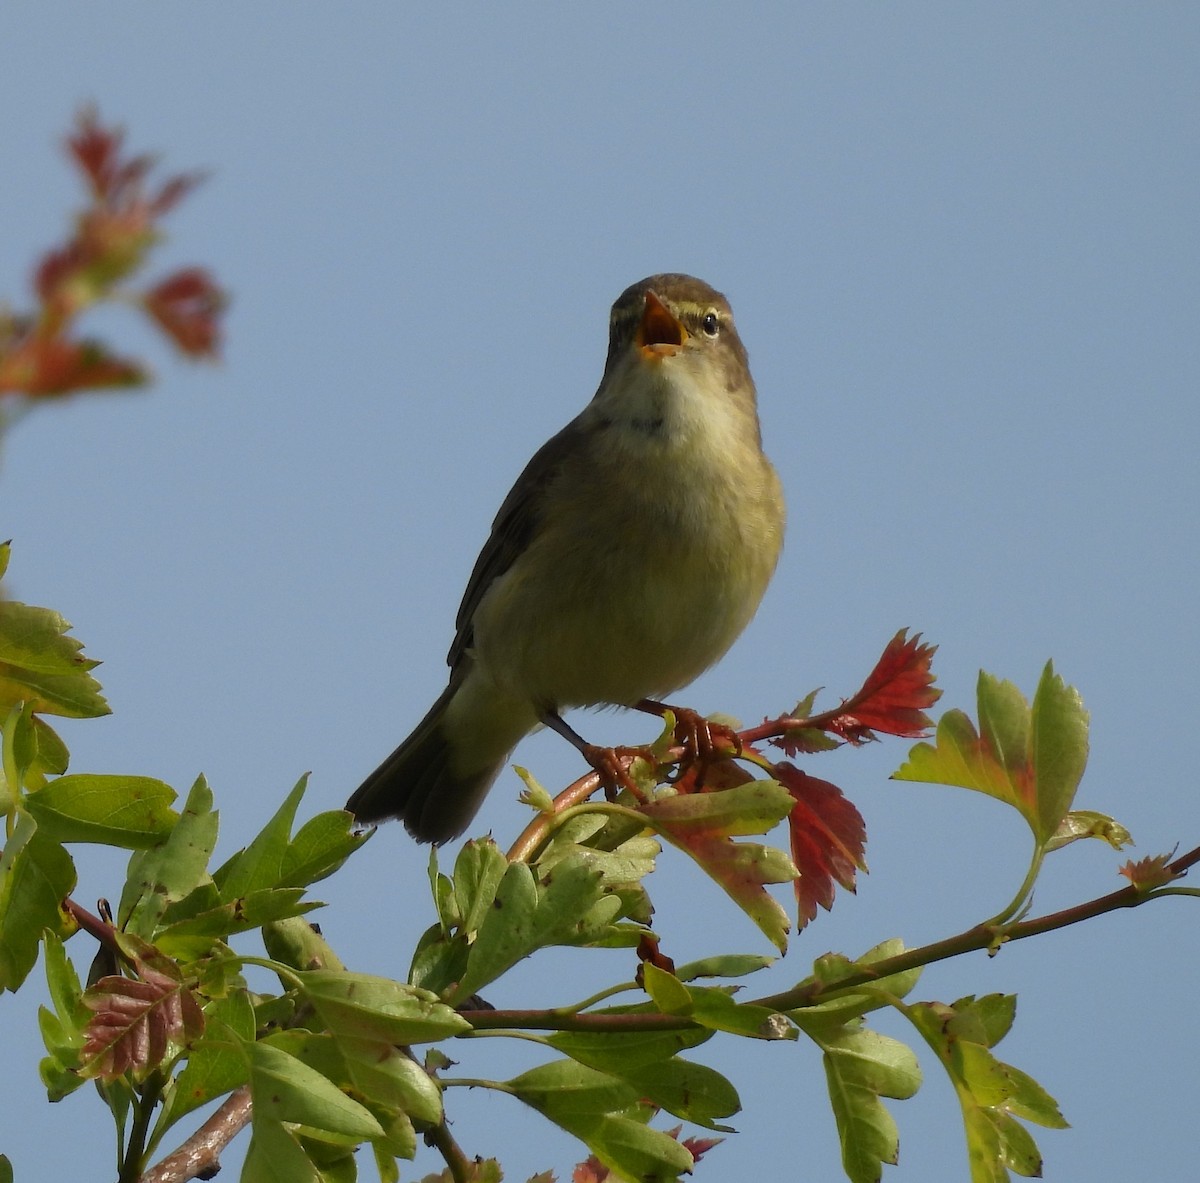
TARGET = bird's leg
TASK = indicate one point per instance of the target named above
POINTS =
(702, 740)
(610, 763)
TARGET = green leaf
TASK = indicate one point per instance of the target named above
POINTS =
(385, 1078)
(1087, 823)
(591, 1106)
(63, 984)
(36, 875)
(63, 1028)
(260, 865)
(284, 1089)
(666, 991)
(438, 959)
(727, 965)
(42, 666)
(617, 1051)
(275, 1156)
(529, 913)
(32, 751)
(190, 938)
(714, 1006)
(986, 1019)
(860, 1067)
(990, 1093)
(835, 1008)
(6, 1171)
(1059, 748)
(361, 1006)
(165, 874)
(133, 812)
(703, 826)
(319, 848)
(442, 888)
(478, 870)
(295, 942)
(1031, 758)
(215, 1064)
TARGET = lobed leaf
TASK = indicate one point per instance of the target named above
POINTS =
(1030, 757)
(167, 873)
(860, 1067)
(42, 666)
(828, 839)
(566, 904)
(991, 1093)
(703, 825)
(36, 875)
(592, 1106)
(133, 812)
(836, 1008)
(896, 693)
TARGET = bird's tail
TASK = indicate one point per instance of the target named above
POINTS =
(437, 778)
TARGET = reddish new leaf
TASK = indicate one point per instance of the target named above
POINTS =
(54, 365)
(591, 1170)
(1149, 872)
(648, 950)
(894, 697)
(119, 183)
(892, 700)
(136, 1021)
(699, 1147)
(41, 353)
(828, 839)
(187, 306)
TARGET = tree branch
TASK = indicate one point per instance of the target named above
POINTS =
(982, 936)
(199, 1157)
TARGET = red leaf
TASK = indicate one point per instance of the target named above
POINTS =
(52, 365)
(894, 697)
(699, 1147)
(828, 839)
(187, 306)
(96, 150)
(119, 184)
(591, 1170)
(648, 950)
(135, 1022)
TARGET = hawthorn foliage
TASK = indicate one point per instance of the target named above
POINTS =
(336, 1059)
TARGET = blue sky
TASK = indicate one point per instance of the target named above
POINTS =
(961, 242)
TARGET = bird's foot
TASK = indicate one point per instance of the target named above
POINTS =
(703, 741)
(612, 765)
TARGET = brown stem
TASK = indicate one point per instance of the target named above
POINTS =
(443, 1141)
(534, 834)
(93, 925)
(199, 1157)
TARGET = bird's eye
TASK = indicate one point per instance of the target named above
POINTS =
(711, 324)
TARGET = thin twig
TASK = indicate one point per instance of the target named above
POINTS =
(982, 936)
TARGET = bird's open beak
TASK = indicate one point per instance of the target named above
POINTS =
(659, 334)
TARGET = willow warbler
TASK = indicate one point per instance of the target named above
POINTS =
(627, 558)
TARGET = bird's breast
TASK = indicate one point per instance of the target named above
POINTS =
(650, 556)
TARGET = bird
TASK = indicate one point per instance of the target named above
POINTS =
(631, 552)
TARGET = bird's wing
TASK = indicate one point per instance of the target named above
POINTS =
(513, 528)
